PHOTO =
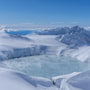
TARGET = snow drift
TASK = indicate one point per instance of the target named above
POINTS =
(73, 42)
(60, 41)
(12, 80)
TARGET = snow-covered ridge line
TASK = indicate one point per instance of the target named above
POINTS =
(61, 41)
(74, 42)
(74, 81)
(23, 52)
(18, 80)
(14, 46)
(76, 39)
(12, 80)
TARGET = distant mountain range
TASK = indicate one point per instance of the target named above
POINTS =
(60, 41)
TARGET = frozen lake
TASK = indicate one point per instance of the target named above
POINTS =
(46, 66)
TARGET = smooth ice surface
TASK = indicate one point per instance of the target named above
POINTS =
(47, 66)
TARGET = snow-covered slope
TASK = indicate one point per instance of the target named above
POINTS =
(57, 31)
(12, 80)
(74, 81)
(61, 41)
(76, 41)
(14, 46)
(76, 37)
(73, 42)
(80, 53)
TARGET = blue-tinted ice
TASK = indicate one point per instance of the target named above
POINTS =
(47, 66)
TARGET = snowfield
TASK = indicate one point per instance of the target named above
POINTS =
(12, 80)
(14, 46)
(73, 42)
(62, 55)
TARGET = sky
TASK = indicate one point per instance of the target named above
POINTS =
(45, 12)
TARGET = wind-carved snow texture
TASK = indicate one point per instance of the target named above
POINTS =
(12, 80)
(72, 42)
(74, 81)
(15, 46)
(76, 39)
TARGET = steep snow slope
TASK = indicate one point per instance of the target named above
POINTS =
(69, 42)
(12, 80)
(54, 46)
(76, 41)
(80, 53)
(13, 46)
(74, 81)
(76, 37)
(73, 42)
(57, 31)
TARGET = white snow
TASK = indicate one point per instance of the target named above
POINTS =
(11, 80)
(32, 44)
(81, 53)
(73, 42)
(20, 46)
(74, 81)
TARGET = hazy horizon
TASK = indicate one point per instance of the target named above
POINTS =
(44, 13)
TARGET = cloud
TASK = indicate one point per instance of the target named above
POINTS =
(2, 27)
(28, 26)
(87, 28)
(33, 26)
(75, 22)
